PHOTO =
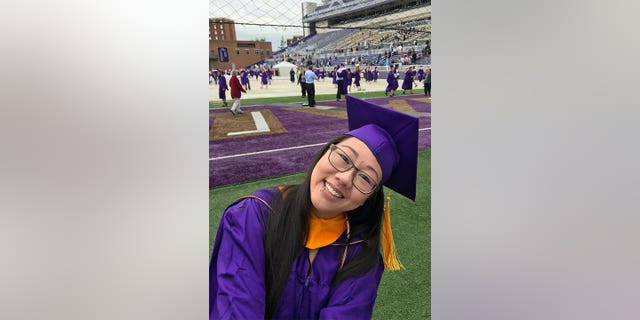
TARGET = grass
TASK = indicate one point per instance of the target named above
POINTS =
(404, 294)
(277, 100)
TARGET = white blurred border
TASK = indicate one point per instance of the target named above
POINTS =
(103, 199)
(534, 162)
(104, 192)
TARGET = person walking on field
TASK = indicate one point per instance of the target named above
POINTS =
(341, 75)
(222, 89)
(356, 77)
(309, 77)
(236, 92)
(389, 90)
(407, 84)
(265, 78)
(301, 82)
(427, 82)
(244, 79)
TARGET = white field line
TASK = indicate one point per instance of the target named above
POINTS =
(267, 151)
(261, 125)
(277, 150)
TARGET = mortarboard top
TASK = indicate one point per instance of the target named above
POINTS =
(392, 136)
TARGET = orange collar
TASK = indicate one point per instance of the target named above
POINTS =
(323, 232)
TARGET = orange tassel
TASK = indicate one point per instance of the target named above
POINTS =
(391, 261)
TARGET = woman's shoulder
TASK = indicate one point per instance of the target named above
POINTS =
(251, 208)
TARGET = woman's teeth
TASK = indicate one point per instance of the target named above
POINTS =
(332, 191)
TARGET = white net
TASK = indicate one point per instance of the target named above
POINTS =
(381, 32)
(273, 20)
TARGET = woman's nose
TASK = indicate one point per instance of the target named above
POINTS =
(345, 177)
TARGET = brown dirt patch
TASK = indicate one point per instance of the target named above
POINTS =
(423, 99)
(340, 114)
(400, 105)
(224, 123)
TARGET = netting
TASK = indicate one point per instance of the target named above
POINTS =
(274, 20)
(380, 32)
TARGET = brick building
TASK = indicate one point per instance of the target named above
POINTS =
(223, 45)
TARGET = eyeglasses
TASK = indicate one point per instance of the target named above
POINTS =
(341, 162)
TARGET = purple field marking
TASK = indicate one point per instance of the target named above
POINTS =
(417, 105)
(236, 170)
(303, 129)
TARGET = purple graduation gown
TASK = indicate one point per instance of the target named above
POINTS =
(420, 74)
(407, 83)
(396, 75)
(343, 74)
(237, 281)
(245, 78)
(356, 78)
(390, 78)
(222, 87)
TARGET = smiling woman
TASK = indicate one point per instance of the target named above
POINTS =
(318, 249)
(335, 187)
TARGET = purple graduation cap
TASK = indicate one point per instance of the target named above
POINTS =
(392, 136)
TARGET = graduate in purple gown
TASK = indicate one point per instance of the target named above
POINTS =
(407, 83)
(356, 77)
(216, 74)
(375, 74)
(244, 79)
(264, 75)
(334, 75)
(389, 90)
(222, 88)
(317, 250)
(396, 75)
(420, 74)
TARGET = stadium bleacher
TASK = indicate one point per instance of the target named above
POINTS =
(370, 36)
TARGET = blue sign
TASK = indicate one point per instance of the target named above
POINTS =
(223, 54)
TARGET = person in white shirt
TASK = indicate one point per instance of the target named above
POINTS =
(309, 77)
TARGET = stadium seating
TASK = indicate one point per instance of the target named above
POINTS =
(369, 38)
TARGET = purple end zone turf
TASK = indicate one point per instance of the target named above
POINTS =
(303, 129)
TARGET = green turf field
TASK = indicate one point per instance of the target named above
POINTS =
(278, 100)
(404, 294)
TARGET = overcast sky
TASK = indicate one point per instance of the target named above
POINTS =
(280, 12)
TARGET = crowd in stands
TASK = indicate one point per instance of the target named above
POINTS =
(402, 45)
(399, 38)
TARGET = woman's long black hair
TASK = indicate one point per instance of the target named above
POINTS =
(287, 228)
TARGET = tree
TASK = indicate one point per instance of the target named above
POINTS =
(263, 39)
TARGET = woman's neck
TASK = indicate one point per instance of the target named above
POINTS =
(325, 215)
